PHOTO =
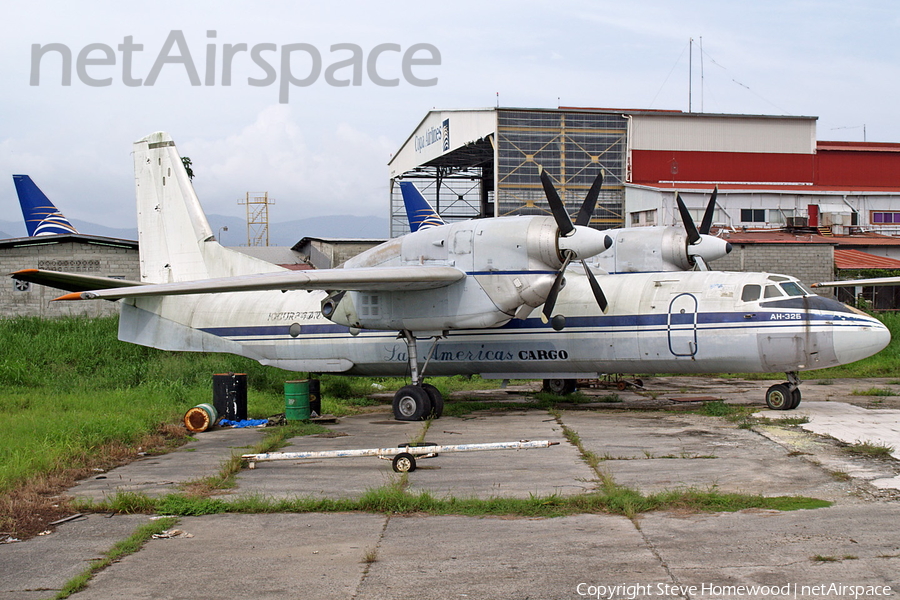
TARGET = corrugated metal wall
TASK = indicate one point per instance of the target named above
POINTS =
(572, 146)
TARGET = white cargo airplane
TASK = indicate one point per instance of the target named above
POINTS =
(458, 299)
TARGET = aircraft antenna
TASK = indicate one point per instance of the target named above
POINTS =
(257, 217)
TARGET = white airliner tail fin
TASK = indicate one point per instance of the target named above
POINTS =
(176, 241)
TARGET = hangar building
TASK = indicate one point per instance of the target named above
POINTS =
(771, 170)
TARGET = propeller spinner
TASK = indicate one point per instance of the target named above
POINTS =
(576, 241)
(701, 248)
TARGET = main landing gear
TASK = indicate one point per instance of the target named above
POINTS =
(784, 396)
(418, 400)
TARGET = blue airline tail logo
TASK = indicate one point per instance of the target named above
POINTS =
(41, 217)
(418, 211)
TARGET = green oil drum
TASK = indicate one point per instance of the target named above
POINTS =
(296, 400)
(200, 418)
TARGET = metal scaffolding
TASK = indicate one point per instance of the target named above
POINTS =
(497, 175)
(257, 217)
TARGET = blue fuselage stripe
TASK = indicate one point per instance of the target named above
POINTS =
(579, 325)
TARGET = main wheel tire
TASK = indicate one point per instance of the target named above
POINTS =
(411, 403)
(404, 463)
(779, 397)
(560, 387)
(437, 400)
(795, 398)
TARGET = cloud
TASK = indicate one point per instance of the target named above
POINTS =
(341, 172)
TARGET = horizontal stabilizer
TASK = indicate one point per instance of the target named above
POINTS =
(71, 282)
(370, 278)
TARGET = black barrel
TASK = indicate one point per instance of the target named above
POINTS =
(315, 398)
(230, 395)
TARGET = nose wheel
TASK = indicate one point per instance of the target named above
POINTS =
(784, 396)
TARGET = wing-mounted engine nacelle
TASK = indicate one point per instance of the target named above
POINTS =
(647, 249)
(452, 307)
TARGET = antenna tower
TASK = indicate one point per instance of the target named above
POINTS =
(257, 217)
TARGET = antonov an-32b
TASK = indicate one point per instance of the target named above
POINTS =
(462, 298)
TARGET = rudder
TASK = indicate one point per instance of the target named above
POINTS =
(419, 213)
(41, 216)
(176, 241)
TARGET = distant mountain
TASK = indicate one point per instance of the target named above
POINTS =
(286, 233)
(113, 232)
(13, 229)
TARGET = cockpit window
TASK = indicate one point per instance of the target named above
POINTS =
(792, 288)
(773, 291)
(750, 293)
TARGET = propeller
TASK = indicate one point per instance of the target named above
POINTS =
(702, 247)
(576, 241)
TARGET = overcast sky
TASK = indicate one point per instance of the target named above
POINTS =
(325, 151)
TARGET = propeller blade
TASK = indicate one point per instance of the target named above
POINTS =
(706, 224)
(556, 206)
(590, 201)
(687, 220)
(550, 302)
(595, 287)
(700, 263)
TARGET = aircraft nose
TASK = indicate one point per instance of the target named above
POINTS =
(856, 343)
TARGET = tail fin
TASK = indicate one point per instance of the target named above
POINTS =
(418, 211)
(176, 241)
(41, 217)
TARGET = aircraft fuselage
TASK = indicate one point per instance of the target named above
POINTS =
(670, 322)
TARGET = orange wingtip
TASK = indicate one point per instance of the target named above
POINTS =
(25, 271)
(72, 296)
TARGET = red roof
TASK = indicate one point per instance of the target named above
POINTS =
(797, 188)
(776, 236)
(855, 259)
(859, 146)
(808, 236)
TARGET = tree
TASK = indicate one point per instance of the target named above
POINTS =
(187, 167)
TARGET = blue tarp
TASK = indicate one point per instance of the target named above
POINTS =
(247, 423)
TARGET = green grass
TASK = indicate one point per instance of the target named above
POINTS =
(394, 499)
(69, 389)
(875, 391)
(870, 449)
(42, 429)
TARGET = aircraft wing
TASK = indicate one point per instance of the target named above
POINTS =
(369, 279)
(849, 282)
(71, 282)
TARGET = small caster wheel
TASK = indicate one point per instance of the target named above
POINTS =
(404, 463)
